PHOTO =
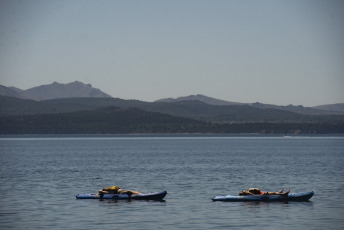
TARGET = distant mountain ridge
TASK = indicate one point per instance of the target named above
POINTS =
(197, 110)
(54, 91)
(106, 115)
(339, 107)
(326, 109)
(116, 120)
(78, 89)
(202, 98)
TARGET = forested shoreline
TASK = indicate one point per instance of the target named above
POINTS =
(129, 121)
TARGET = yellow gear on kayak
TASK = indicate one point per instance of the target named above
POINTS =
(114, 188)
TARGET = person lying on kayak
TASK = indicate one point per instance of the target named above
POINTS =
(117, 190)
(257, 191)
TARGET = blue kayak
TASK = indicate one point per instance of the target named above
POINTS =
(147, 196)
(302, 196)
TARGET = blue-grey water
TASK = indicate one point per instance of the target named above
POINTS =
(40, 176)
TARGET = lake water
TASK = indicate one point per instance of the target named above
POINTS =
(40, 177)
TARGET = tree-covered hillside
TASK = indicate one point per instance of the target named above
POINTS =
(188, 109)
(115, 120)
(102, 121)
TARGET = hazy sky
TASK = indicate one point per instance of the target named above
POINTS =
(270, 51)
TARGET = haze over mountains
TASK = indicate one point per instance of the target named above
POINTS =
(78, 89)
(79, 108)
(322, 109)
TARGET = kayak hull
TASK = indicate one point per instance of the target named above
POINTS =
(147, 196)
(302, 196)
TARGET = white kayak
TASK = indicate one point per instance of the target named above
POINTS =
(301, 196)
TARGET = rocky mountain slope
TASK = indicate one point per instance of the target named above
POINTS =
(54, 91)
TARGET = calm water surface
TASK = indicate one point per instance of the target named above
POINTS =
(40, 177)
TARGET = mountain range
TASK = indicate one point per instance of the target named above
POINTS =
(79, 108)
(53, 91)
(322, 109)
(78, 89)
